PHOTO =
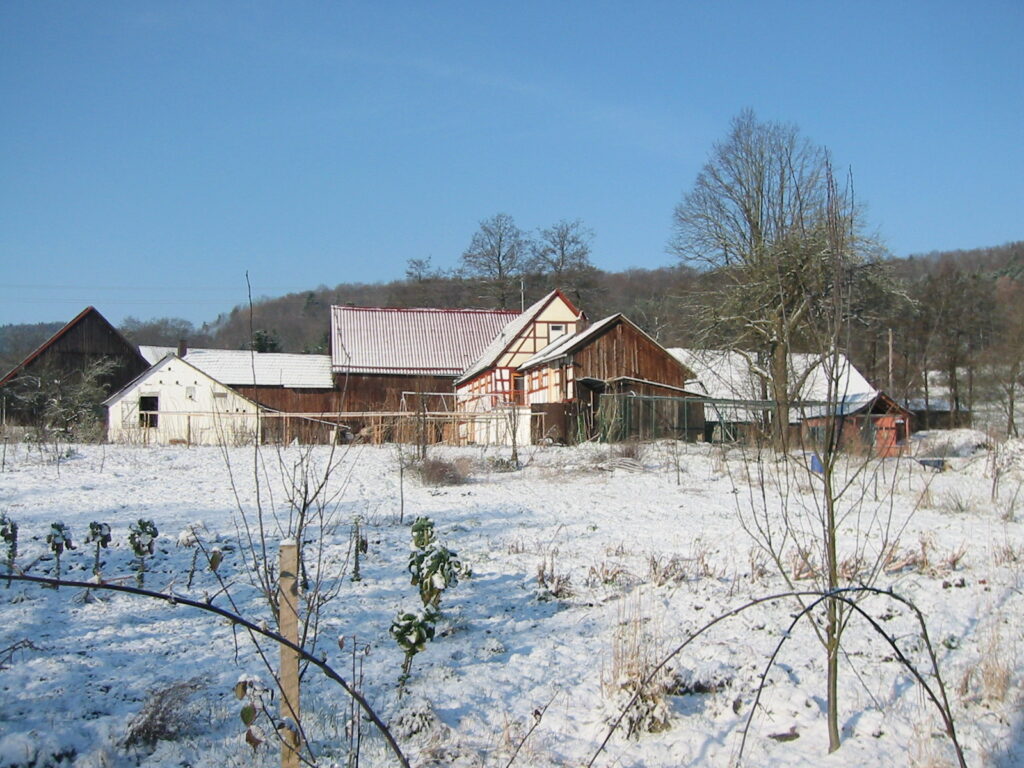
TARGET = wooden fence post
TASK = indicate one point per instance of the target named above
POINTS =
(287, 602)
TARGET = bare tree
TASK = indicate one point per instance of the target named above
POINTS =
(756, 217)
(496, 255)
(561, 253)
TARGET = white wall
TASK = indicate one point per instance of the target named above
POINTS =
(193, 409)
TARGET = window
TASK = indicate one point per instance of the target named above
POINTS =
(148, 407)
(190, 393)
(555, 330)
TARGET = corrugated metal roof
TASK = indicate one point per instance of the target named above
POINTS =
(499, 342)
(235, 367)
(436, 342)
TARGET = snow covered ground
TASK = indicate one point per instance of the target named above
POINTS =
(640, 552)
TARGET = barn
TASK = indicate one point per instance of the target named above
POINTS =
(176, 403)
(611, 381)
(388, 359)
(88, 346)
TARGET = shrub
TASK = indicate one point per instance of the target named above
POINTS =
(442, 472)
(165, 715)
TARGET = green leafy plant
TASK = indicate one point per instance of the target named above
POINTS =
(412, 631)
(142, 538)
(59, 539)
(99, 534)
(9, 534)
(433, 567)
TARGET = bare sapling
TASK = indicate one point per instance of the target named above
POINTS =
(802, 503)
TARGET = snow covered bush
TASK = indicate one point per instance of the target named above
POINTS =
(142, 538)
(166, 715)
(434, 567)
(412, 632)
(9, 534)
(59, 539)
(99, 535)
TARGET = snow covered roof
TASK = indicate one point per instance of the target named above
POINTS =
(154, 354)
(435, 342)
(164, 364)
(732, 375)
(239, 367)
(501, 341)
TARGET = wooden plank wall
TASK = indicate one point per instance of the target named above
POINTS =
(363, 392)
(622, 351)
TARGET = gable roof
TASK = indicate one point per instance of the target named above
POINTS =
(729, 375)
(156, 369)
(89, 311)
(434, 342)
(501, 342)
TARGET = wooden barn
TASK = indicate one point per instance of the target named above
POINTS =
(176, 403)
(613, 381)
(393, 360)
(88, 343)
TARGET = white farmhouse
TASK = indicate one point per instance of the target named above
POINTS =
(175, 403)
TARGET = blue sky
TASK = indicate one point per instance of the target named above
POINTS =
(152, 153)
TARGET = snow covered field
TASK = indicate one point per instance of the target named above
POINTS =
(643, 549)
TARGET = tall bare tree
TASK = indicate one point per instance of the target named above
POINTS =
(562, 251)
(496, 255)
(756, 217)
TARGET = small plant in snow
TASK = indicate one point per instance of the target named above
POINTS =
(59, 539)
(412, 632)
(551, 583)
(9, 534)
(99, 534)
(434, 567)
(142, 538)
(359, 547)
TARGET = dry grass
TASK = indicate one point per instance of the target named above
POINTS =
(166, 715)
(662, 571)
(443, 472)
(609, 573)
(636, 651)
(551, 583)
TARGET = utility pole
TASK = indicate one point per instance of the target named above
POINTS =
(891, 392)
